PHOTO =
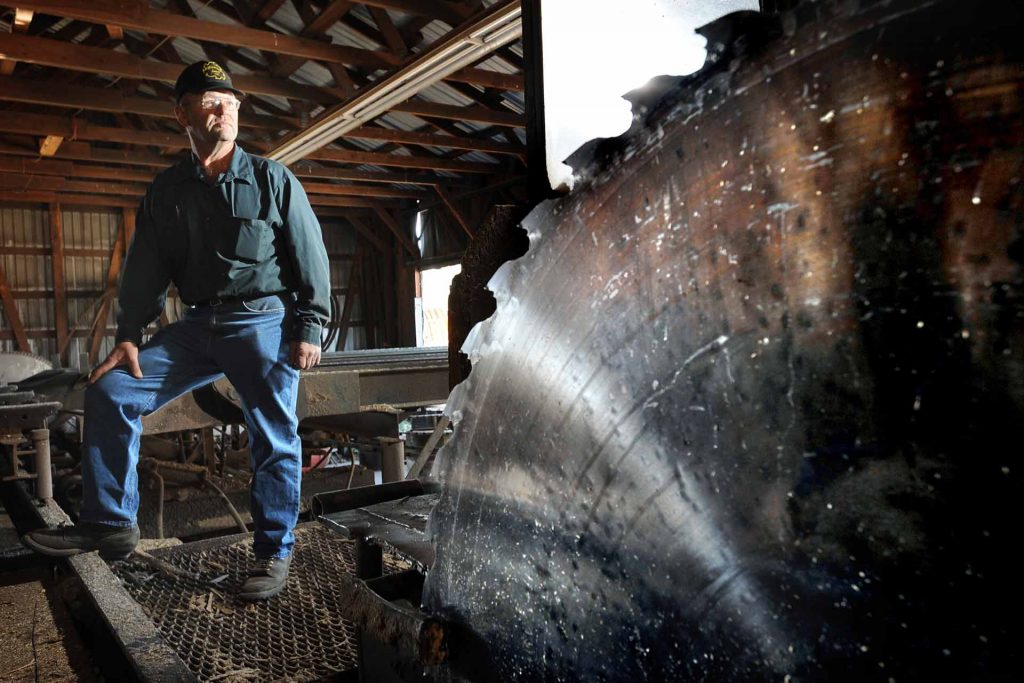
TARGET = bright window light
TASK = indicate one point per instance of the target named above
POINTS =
(435, 285)
(594, 52)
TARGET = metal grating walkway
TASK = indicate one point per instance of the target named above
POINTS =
(297, 636)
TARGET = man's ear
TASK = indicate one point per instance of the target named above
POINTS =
(179, 114)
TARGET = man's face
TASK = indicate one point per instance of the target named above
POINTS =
(210, 116)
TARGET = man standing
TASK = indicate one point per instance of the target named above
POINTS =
(236, 235)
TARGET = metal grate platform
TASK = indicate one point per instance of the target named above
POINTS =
(298, 636)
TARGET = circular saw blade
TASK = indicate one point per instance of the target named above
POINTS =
(18, 365)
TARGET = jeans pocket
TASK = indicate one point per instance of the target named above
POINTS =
(264, 304)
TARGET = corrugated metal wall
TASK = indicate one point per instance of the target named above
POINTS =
(340, 240)
(89, 236)
(85, 276)
(30, 275)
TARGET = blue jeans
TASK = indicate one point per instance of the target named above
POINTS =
(249, 343)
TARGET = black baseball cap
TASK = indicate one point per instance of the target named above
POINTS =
(202, 76)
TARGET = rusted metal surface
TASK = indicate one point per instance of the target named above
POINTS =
(343, 385)
(22, 411)
(394, 520)
(750, 405)
(306, 633)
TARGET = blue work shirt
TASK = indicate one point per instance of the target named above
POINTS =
(249, 233)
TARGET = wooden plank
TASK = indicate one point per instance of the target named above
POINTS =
(79, 129)
(433, 140)
(139, 16)
(13, 181)
(60, 303)
(113, 101)
(449, 12)
(538, 182)
(115, 32)
(113, 272)
(477, 113)
(360, 190)
(341, 200)
(22, 18)
(71, 170)
(488, 79)
(404, 278)
(304, 169)
(348, 156)
(387, 29)
(99, 60)
(49, 145)
(327, 18)
(267, 10)
(11, 311)
(36, 165)
(454, 211)
(342, 79)
(129, 227)
(36, 197)
(393, 226)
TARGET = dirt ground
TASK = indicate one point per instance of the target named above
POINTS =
(37, 639)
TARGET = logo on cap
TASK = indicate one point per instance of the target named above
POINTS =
(213, 70)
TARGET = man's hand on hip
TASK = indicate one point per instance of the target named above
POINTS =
(125, 353)
(305, 356)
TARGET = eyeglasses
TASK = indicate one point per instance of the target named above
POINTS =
(211, 103)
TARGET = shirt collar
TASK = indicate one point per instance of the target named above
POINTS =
(240, 168)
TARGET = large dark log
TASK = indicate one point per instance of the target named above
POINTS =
(752, 404)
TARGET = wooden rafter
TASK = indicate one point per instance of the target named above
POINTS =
(60, 304)
(395, 229)
(454, 210)
(476, 113)
(141, 17)
(98, 60)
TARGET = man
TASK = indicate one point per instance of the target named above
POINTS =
(237, 237)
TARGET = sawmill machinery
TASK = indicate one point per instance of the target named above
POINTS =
(750, 403)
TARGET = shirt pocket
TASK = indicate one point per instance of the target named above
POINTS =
(252, 240)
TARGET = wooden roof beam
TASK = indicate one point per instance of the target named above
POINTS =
(140, 16)
(79, 129)
(451, 13)
(108, 62)
(477, 113)
(102, 99)
(83, 151)
(305, 169)
(429, 139)
(401, 161)
(71, 170)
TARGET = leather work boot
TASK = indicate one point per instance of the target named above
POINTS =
(113, 542)
(266, 578)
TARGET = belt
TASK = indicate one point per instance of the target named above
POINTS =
(220, 301)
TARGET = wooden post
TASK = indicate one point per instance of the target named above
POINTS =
(12, 313)
(113, 271)
(60, 303)
(346, 309)
(405, 300)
